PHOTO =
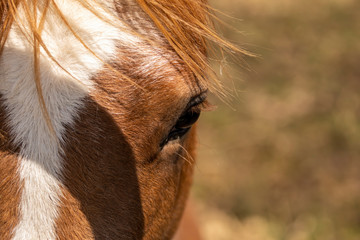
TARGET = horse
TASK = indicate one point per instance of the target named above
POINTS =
(98, 108)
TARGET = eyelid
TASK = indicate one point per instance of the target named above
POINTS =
(206, 106)
(196, 100)
(200, 103)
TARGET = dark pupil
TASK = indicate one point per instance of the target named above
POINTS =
(188, 119)
(182, 126)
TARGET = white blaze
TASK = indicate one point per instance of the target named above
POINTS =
(40, 154)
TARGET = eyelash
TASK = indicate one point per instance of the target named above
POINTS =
(183, 125)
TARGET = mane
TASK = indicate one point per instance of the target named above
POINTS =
(186, 24)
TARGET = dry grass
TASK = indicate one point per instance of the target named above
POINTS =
(286, 163)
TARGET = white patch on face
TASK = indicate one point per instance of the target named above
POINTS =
(40, 157)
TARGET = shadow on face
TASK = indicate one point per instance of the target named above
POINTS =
(120, 183)
(114, 194)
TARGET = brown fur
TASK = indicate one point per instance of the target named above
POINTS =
(117, 181)
(9, 181)
(123, 185)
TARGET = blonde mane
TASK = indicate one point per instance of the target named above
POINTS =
(186, 24)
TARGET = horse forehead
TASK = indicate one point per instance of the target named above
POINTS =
(156, 80)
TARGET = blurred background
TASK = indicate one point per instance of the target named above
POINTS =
(282, 162)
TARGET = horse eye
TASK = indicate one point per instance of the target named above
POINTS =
(182, 126)
(187, 119)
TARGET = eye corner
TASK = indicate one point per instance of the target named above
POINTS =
(175, 134)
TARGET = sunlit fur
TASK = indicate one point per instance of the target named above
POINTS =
(186, 24)
(65, 67)
(41, 165)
